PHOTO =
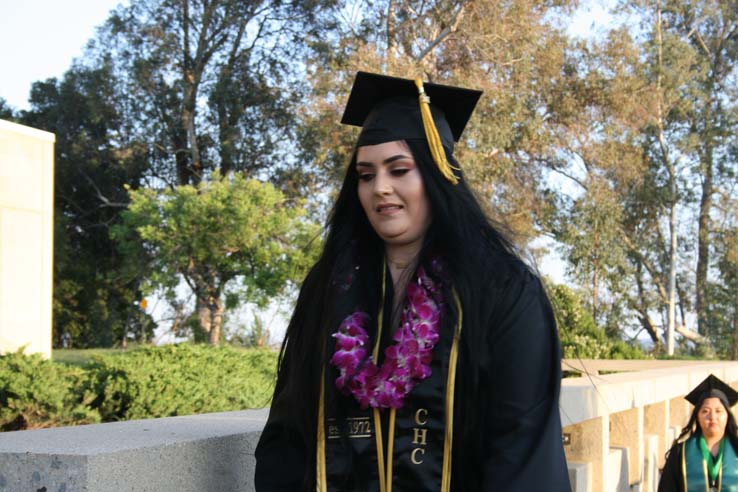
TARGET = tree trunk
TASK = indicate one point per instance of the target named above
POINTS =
(203, 316)
(671, 315)
(703, 241)
(595, 277)
(671, 169)
(216, 319)
(648, 325)
(391, 47)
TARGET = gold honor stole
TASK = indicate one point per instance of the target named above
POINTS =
(695, 469)
(425, 419)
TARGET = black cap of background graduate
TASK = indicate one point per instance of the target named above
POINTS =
(388, 109)
(713, 387)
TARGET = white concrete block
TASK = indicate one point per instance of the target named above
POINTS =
(617, 464)
(580, 476)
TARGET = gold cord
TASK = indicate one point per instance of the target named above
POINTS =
(375, 412)
(380, 450)
(434, 140)
(390, 447)
(450, 383)
(321, 482)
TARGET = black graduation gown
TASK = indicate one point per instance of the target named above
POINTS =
(671, 476)
(520, 427)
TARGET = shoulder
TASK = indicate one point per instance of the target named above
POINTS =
(503, 270)
(509, 284)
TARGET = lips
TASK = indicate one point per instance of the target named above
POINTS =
(387, 208)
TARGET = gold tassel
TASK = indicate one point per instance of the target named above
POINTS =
(434, 140)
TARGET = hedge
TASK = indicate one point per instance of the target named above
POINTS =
(143, 383)
(36, 393)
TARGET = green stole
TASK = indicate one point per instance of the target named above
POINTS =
(695, 469)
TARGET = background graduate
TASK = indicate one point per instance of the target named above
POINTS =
(703, 457)
(423, 353)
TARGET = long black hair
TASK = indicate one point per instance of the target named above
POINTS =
(350, 269)
(693, 427)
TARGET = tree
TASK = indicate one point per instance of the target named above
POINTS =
(630, 115)
(94, 293)
(510, 50)
(722, 312)
(207, 83)
(224, 236)
(703, 37)
(6, 111)
(711, 29)
(580, 336)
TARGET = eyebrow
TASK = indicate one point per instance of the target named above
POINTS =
(388, 160)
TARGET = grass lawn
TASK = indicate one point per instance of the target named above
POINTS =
(80, 357)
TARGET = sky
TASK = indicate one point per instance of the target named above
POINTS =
(40, 38)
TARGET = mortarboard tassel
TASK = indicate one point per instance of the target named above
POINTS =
(434, 140)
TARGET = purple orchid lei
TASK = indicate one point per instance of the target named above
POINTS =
(406, 363)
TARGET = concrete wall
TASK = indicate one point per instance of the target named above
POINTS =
(26, 238)
(199, 453)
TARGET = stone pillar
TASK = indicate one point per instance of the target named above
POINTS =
(626, 430)
(679, 413)
(656, 421)
(650, 464)
(589, 441)
(26, 238)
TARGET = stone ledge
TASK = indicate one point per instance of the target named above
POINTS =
(211, 452)
(592, 396)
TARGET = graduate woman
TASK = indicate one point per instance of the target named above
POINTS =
(704, 458)
(422, 354)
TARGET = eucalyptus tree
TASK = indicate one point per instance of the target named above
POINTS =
(510, 50)
(211, 85)
(722, 311)
(705, 34)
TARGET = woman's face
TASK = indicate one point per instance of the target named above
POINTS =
(712, 418)
(392, 193)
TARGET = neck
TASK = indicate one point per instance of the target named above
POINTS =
(401, 259)
(713, 444)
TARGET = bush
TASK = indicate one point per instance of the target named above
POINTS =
(580, 336)
(181, 380)
(36, 393)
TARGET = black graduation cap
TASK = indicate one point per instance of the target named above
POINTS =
(712, 387)
(387, 109)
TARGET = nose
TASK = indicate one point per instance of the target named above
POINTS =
(382, 183)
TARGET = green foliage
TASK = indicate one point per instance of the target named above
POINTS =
(6, 110)
(93, 161)
(142, 383)
(722, 311)
(224, 234)
(35, 393)
(181, 380)
(580, 336)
